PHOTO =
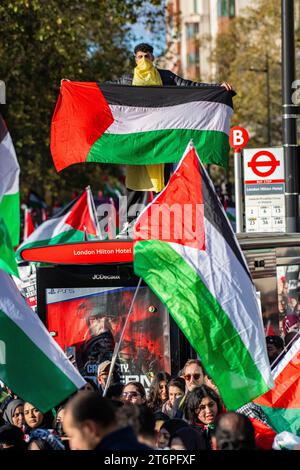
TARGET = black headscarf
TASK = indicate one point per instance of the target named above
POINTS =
(10, 409)
(191, 438)
(173, 425)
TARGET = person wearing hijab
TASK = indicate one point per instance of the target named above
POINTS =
(14, 413)
(188, 438)
(167, 430)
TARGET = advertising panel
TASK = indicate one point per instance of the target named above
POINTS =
(87, 321)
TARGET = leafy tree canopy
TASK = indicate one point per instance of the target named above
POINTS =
(43, 41)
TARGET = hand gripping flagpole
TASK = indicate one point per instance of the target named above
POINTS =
(118, 344)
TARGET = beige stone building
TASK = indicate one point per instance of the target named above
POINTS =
(192, 27)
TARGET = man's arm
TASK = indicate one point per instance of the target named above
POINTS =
(171, 79)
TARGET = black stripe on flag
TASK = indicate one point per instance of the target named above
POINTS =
(214, 213)
(159, 97)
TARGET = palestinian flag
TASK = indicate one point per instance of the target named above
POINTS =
(139, 125)
(187, 253)
(282, 403)
(9, 185)
(74, 223)
(31, 363)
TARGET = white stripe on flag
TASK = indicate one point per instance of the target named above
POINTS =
(226, 279)
(16, 308)
(202, 115)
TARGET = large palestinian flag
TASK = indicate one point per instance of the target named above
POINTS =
(139, 125)
(9, 185)
(74, 223)
(187, 253)
(282, 403)
(31, 362)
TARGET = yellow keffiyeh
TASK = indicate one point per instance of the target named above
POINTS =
(145, 177)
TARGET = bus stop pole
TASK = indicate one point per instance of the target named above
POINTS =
(289, 118)
(238, 190)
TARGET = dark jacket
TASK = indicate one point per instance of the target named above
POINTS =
(168, 78)
(123, 439)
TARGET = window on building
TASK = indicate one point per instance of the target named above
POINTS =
(196, 6)
(226, 8)
(222, 7)
(192, 29)
(193, 58)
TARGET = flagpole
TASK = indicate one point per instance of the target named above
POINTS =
(285, 349)
(118, 344)
(88, 189)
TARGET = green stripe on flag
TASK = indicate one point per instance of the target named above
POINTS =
(162, 146)
(203, 321)
(7, 254)
(24, 371)
(10, 212)
(283, 419)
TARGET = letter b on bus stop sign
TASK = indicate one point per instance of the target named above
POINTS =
(238, 138)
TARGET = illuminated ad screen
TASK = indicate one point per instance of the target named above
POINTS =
(87, 322)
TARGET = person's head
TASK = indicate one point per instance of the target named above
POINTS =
(167, 430)
(285, 288)
(134, 393)
(58, 422)
(160, 418)
(292, 302)
(193, 374)
(143, 50)
(297, 308)
(233, 431)
(176, 389)
(14, 413)
(88, 418)
(203, 405)
(90, 385)
(34, 418)
(275, 346)
(146, 426)
(11, 437)
(114, 391)
(282, 304)
(158, 393)
(42, 439)
(102, 373)
(187, 439)
(98, 322)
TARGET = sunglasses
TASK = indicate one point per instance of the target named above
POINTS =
(189, 376)
(130, 394)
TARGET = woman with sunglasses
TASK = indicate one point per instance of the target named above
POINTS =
(134, 393)
(202, 408)
(158, 394)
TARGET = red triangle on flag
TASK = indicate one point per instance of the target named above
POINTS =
(80, 216)
(167, 220)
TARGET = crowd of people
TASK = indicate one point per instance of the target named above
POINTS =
(178, 413)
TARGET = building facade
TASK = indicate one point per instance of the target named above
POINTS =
(192, 28)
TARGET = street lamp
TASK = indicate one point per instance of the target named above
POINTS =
(266, 70)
